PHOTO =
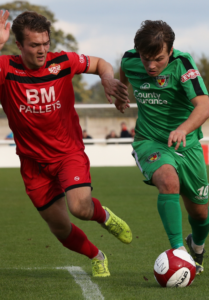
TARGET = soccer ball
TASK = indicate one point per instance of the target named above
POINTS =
(174, 268)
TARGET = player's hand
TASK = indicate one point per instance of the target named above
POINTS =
(177, 136)
(113, 87)
(4, 29)
(121, 106)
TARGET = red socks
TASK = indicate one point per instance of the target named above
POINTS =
(77, 241)
(99, 212)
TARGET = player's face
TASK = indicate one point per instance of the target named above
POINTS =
(155, 65)
(35, 48)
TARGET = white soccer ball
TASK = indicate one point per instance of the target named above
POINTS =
(174, 268)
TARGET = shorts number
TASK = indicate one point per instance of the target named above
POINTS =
(203, 191)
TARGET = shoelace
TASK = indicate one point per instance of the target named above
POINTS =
(114, 227)
(99, 266)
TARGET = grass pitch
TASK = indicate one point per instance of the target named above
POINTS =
(30, 254)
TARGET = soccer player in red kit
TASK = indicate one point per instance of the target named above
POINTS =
(37, 96)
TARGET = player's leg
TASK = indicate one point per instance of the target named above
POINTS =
(199, 221)
(166, 180)
(194, 191)
(57, 218)
(73, 237)
(159, 168)
(74, 176)
(83, 206)
(43, 188)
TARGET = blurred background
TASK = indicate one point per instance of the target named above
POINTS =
(107, 29)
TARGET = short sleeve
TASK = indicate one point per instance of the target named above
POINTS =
(79, 63)
(190, 78)
(4, 65)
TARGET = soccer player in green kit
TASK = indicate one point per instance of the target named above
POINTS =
(172, 104)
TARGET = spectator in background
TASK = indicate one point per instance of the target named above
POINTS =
(85, 135)
(10, 136)
(112, 135)
(124, 132)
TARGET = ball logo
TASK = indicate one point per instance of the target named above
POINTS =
(181, 279)
(76, 178)
(162, 267)
(54, 69)
(190, 74)
(161, 264)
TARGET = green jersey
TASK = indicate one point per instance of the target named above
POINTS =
(164, 102)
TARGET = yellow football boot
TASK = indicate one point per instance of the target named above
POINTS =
(118, 227)
(100, 267)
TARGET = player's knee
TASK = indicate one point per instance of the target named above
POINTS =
(81, 209)
(166, 180)
(200, 215)
(169, 185)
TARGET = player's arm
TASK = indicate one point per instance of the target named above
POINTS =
(112, 87)
(121, 106)
(198, 116)
(123, 78)
(4, 28)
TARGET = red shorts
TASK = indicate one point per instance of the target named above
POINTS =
(46, 183)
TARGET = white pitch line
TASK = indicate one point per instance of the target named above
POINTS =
(90, 290)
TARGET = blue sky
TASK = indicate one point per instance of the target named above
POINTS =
(107, 28)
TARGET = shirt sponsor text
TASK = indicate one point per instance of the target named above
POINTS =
(190, 74)
(40, 101)
(149, 98)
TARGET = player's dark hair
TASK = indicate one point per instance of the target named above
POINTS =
(151, 36)
(32, 21)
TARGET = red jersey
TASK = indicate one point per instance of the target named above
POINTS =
(39, 105)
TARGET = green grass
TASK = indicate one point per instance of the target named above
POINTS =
(29, 253)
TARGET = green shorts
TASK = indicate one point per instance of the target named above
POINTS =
(189, 164)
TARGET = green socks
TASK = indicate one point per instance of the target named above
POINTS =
(200, 230)
(170, 212)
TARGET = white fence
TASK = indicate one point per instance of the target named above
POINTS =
(101, 153)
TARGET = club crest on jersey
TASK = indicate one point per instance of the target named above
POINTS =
(162, 80)
(153, 157)
(190, 74)
(145, 86)
(54, 69)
